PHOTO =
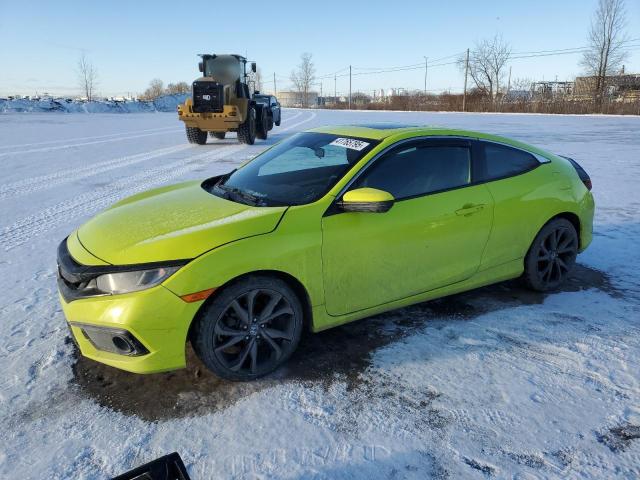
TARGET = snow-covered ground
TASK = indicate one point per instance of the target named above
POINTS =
(498, 382)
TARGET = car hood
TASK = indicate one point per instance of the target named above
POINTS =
(172, 223)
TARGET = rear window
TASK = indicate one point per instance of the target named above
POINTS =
(500, 161)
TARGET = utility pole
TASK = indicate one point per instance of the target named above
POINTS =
(275, 89)
(349, 87)
(509, 81)
(335, 95)
(466, 74)
(426, 65)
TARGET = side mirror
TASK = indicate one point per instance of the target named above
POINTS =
(366, 200)
(253, 67)
(201, 66)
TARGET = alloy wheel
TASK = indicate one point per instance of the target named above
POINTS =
(556, 256)
(254, 332)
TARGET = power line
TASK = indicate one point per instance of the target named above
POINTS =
(628, 44)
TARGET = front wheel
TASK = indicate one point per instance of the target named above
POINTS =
(250, 329)
(262, 125)
(195, 135)
(551, 255)
(247, 130)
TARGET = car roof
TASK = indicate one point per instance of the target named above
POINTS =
(381, 131)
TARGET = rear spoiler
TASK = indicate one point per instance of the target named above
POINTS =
(584, 176)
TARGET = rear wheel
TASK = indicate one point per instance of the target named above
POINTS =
(247, 131)
(250, 329)
(262, 126)
(551, 256)
(270, 123)
(195, 135)
(218, 135)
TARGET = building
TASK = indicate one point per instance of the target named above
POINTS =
(289, 98)
(623, 85)
(552, 88)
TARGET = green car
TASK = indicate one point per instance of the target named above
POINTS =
(328, 226)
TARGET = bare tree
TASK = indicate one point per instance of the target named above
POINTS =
(486, 64)
(303, 77)
(155, 90)
(87, 76)
(605, 52)
(177, 88)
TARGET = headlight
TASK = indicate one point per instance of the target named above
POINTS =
(125, 282)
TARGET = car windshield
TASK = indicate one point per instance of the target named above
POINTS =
(264, 100)
(296, 171)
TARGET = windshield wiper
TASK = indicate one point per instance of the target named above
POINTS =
(239, 193)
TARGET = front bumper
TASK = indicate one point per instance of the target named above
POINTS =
(156, 318)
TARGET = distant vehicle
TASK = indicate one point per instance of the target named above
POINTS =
(326, 227)
(274, 112)
(221, 102)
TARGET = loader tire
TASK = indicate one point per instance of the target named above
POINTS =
(195, 135)
(247, 130)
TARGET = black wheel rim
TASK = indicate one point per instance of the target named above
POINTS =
(556, 255)
(254, 332)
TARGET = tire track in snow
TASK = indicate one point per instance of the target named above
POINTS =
(123, 134)
(81, 144)
(23, 230)
(98, 140)
(289, 127)
(43, 182)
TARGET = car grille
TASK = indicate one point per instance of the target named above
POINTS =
(75, 280)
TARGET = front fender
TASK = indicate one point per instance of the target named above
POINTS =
(294, 248)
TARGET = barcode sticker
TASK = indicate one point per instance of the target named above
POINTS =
(350, 143)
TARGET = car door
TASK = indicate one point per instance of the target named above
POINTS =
(521, 193)
(434, 234)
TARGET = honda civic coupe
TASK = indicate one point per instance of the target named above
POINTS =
(328, 226)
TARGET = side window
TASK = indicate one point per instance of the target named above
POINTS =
(501, 161)
(419, 170)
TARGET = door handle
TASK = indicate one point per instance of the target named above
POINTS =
(469, 209)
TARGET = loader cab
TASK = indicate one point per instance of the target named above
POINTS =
(224, 78)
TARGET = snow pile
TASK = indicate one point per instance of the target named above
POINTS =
(166, 103)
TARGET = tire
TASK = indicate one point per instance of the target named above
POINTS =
(270, 121)
(219, 135)
(237, 347)
(262, 126)
(279, 120)
(247, 131)
(551, 256)
(195, 135)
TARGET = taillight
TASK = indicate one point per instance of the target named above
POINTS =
(584, 176)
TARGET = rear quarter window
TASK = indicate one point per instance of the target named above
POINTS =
(501, 161)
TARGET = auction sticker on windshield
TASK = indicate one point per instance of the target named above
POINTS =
(350, 143)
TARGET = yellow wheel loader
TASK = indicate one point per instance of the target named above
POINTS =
(221, 102)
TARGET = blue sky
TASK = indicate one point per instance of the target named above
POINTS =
(132, 42)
